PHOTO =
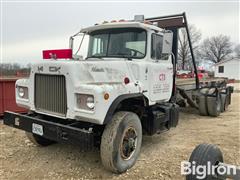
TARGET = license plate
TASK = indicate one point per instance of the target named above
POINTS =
(37, 129)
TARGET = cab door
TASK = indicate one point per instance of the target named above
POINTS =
(160, 70)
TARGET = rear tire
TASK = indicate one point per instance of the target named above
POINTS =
(227, 101)
(203, 154)
(202, 104)
(223, 102)
(39, 140)
(214, 105)
(121, 142)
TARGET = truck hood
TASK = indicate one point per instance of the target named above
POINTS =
(88, 71)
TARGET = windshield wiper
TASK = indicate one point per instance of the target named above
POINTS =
(124, 56)
(99, 57)
(128, 57)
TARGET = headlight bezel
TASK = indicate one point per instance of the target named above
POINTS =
(22, 92)
(85, 102)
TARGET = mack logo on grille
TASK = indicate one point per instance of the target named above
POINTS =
(54, 69)
(40, 68)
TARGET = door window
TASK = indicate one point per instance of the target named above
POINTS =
(157, 43)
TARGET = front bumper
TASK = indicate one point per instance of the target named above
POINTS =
(60, 131)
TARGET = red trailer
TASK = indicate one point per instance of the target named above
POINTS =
(7, 96)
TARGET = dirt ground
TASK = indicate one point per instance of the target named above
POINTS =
(160, 155)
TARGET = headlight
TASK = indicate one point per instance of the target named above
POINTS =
(85, 101)
(90, 102)
(23, 92)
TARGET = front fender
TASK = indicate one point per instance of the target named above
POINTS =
(104, 109)
(116, 102)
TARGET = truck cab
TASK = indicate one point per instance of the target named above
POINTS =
(123, 59)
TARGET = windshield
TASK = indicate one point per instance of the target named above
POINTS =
(124, 42)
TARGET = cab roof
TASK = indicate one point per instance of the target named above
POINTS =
(120, 25)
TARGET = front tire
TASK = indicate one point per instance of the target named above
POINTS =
(121, 142)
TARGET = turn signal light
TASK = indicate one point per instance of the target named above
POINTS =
(106, 96)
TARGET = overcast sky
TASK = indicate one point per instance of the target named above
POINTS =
(28, 28)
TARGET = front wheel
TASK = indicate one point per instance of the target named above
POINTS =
(121, 142)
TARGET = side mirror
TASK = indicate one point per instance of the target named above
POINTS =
(167, 42)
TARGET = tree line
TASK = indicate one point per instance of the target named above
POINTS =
(212, 49)
(14, 69)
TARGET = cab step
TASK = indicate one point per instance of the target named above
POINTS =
(160, 118)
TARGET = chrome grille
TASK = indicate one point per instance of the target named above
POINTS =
(50, 94)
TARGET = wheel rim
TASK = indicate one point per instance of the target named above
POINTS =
(129, 143)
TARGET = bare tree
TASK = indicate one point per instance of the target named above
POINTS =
(237, 51)
(183, 47)
(216, 48)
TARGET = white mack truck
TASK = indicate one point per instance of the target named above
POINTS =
(126, 86)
